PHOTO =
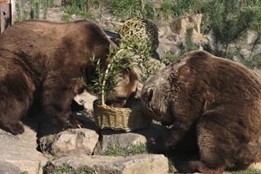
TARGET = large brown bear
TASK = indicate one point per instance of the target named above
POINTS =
(39, 62)
(223, 99)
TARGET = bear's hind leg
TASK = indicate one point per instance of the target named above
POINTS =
(10, 117)
(11, 113)
(212, 155)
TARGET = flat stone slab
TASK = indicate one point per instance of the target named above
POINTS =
(137, 164)
(19, 154)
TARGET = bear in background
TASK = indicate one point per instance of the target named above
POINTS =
(39, 61)
(221, 97)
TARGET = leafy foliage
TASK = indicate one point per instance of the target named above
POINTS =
(133, 52)
(188, 41)
(186, 7)
(140, 37)
(77, 7)
(229, 22)
(107, 78)
(33, 12)
(169, 58)
(131, 9)
(247, 171)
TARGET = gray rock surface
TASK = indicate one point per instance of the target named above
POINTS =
(8, 168)
(137, 164)
(18, 153)
(71, 141)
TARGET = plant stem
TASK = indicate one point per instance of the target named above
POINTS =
(104, 83)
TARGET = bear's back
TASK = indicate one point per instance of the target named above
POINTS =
(50, 43)
(224, 75)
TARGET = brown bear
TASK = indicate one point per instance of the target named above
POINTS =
(39, 61)
(220, 96)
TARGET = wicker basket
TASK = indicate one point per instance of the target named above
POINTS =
(127, 119)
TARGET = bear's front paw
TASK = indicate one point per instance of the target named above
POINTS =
(16, 128)
(74, 123)
(201, 167)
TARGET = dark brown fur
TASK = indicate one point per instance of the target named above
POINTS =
(38, 62)
(222, 97)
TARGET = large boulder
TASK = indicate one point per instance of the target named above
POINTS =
(18, 153)
(71, 141)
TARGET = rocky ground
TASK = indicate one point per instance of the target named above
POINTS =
(86, 149)
(78, 148)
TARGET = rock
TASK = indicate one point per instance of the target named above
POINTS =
(58, 3)
(256, 166)
(167, 46)
(71, 141)
(182, 24)
(6, 168)
(146, 164)
(250, 45)
(54, 14)
(121, 140)
(18, 153)
(77, 17)
(85, 99)
(106, 16)
(146, 136)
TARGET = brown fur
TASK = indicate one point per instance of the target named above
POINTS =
(38, 62)
(222, 97)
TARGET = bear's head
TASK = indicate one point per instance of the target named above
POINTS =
(173, 83)
(157, 96)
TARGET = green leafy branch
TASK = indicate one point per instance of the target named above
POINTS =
(108, 78)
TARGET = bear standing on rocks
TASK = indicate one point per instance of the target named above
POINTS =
(223, 99)
(39, 62)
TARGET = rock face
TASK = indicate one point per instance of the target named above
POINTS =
(172, 35)
(249, 46)
(6, 168)
(146, 164)
(71, 141)
(181, 25)
(19, 154)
